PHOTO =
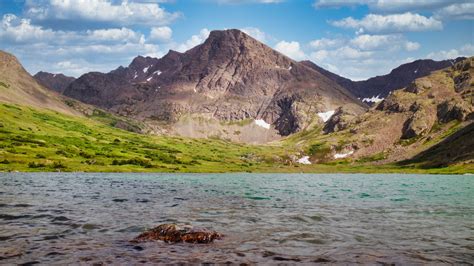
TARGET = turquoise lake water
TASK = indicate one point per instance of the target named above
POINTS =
(266, 218)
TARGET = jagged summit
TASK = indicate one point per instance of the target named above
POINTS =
(229, 77)
(56, 82)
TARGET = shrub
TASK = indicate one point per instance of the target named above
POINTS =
(85, 155)
(133, 161)
(58, 165)
(36, 165)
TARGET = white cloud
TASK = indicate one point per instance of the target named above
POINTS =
(370, 42)
(120, 35)
(325, 43)
(14, 29)
(193, 41)
(256, 33)
(390, 42)
(290, 49)
(456, 11)
(363, 56)
(390, 5)
(235, 2)
(72, 52)
(161, 33)
(351, 53)
(466, 50)
(390, 23)
(117, 12)
(411, 46)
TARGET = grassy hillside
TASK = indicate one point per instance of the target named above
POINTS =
(41, 140)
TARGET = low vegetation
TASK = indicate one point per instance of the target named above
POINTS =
(41, 140)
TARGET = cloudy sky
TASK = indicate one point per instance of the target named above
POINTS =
(353, 38)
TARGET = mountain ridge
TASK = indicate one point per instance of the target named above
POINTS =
(376, 88)
(229, 77)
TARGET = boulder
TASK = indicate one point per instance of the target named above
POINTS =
(449, 110)
(419, 123)
(342, 119)
(391, 105)
(173, 233)
(462, 81)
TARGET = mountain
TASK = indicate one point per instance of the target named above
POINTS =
(19, 87)
(231, 77)
(56, 82)
(408, 122)
(376, 88)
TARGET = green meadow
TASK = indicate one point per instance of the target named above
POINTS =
(42, 140)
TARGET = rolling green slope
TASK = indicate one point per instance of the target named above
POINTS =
(42, 140)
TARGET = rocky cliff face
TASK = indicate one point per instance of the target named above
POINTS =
(230, 77)
(381, 86)
(56, 82)
(411, 119)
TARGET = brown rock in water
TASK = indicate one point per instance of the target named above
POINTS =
(173, 233)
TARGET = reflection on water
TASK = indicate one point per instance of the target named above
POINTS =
(89, 218)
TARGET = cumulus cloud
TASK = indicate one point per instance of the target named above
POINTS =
(290, 49)
(256, 33)
(383, 42)
(325, 43)
(115, 35)
(467, 50)
(193, 41)
(114, 12)
(361, 57)
(234, 2)
(411, 46)
(72, 52)
(390, 5)
(456, 11)
(161, 33)
(390, 23)
(14, 29)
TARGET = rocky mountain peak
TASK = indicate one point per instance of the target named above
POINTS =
(56, 82)
(9, 61)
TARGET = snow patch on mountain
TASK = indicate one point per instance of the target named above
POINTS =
(304, 160)
(373, 99)
(326, 115)
(342, 155)
(262, 123)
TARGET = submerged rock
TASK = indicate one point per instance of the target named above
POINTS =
(173, 233)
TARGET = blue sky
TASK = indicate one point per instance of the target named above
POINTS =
(354, 38)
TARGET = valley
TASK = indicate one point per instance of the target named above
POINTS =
(233, 104)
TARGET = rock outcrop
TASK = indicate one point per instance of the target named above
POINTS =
(342, 119)
(56, 82)
(419, 123)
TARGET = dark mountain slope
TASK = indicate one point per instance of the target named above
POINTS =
(381, 86)
(56, 82)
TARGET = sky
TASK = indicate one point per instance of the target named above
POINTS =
(356, 39)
